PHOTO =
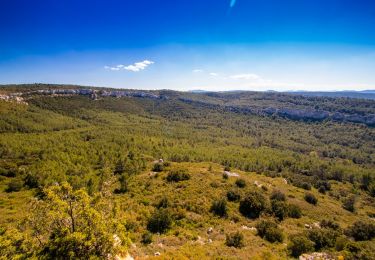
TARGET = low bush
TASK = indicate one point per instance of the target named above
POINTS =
(158, 167)
(235, 240)
(330, 224)
(178, 175)
(306, 186)
(361, 231)
(300, 244)
(294, 211)
(219, 207)
(14, 185)
(278, 195)
(160, 221)
(146, 238)
(253, 204)
(349, 203)
(241, 183)
(310, 198)
(269, 231)
(233, 195)
(162, 203)
(279, 209)
(323, 238)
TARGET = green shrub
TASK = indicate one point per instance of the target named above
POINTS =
(279, 209)
(323, 238)
(361, 231)
(31, 181)
(162, 203)
(294, 211)
(233, 195)
(160, 221)
(330, 225)
(310, 198)
(349, 203)
(158, 167)
(269, 231)
(299, 244)
(14, 185)
(235, 240)
(278, 195)
(123, 184)
(178, 175)
(253, 204)
(355, 251)
(219, 207)
(241, 183)
(146, 238)
(306, 186)
(322, 189)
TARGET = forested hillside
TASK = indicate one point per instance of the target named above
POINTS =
(185, 175)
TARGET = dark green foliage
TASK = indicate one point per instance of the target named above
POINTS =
(146, 238)
(226, 168)
(31, 181)
(163, 203)
(178, 175)
(123, 184)
(253, 204)
(323, 238)
(14, 185)
(306, 186)
(355, 251)
(120, 167)
(310, 198)
(233, 195)
(322, 189)
(279, 209)
(219, 207)
(330, 225)
(235, 240)
(225, 176)
(241, 183)
(269, 231)
(158, 167)
(361, 231)
(323, 185)
(300, 244)
(294, 211)
(160, 221)
(278, 195)
(349, 203)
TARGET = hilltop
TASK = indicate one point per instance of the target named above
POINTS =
(229, 175)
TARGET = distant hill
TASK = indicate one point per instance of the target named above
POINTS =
(365, 94)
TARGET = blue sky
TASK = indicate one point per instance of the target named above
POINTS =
(190, 44)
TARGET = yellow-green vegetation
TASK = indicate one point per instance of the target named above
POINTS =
(186, 181)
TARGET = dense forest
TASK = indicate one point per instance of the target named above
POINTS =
(185, 175)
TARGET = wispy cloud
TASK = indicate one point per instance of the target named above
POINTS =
(198, 71)
(214, 74)
(136, 67)
(245, 77)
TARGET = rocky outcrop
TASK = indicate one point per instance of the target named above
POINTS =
(95, 93)
(290, 113)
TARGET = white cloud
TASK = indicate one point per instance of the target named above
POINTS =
(213, 74)
(198, 71)
(138, 66)
(246, 77)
